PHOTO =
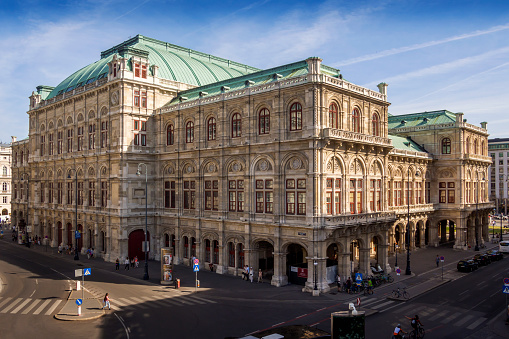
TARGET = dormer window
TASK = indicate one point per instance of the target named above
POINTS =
(139, 68)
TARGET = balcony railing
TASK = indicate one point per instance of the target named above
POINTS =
(358, 219)
(355, 137)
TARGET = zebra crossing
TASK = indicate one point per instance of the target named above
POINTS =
(454, 316)
(9, 305)
(146, 302)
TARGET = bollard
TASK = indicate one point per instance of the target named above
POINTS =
(78, 285)
(79, 310)
(197, 283)
(178, 283)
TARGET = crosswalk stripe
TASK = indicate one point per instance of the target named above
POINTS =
(405, 308)
(382, 304)
(17, 309)
(181, 300)
(211, 301)
(196, 300)
(449, 318)
(464, 320)
(31, 306)
(118, 302)
(126, 301)
(113, 307)
(52, 308)
(427, 311)
(5, 301)
(438, 315)
(171, 302)
(476, 323)
(139, 303)
(44, 304)
(5, 310)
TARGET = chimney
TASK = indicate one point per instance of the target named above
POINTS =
(382, 88)
(314, 64)
(484, 124)
(459, 117)
(13, 139)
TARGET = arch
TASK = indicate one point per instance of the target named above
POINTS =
(189, 131)
(263, 256)
(211, 128)
(91, 114)
(375, 124)
(335, 164)
(476, 151)
(50, 125)
(135, 244)
(357, 166)
(104, 111)
(80, 117)
(60, 123)
(43, 127)
(170, 134)
(467, 146)
(296, 260)
(69, 120)
(236, 125)
(356, 119)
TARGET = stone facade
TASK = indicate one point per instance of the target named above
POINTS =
(297, 173)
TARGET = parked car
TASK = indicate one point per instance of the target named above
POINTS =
(467, 265)
(495, 255)
(482, 259)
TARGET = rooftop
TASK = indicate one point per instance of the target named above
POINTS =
(421, 119)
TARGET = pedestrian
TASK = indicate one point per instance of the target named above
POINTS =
(338, 282)
(132, 262)
(136, 263)
(126, 264)
(251, 274)
(260, 275)
(107, 301)
(348, 284)
(60, 249)
(117, 265)
(437, 260)
(88, 253)
(247, 273)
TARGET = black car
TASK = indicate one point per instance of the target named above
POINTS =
(482, 259)
(495, 255)
(467, 265)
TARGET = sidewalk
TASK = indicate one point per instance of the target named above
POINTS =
(90, 309)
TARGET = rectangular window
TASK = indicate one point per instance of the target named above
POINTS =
(356, 196)
(211, 195)
(144, 99)
(140, 136)
(50, 192)
(69, 193)
(70, 133)
(50, 144)
(144, 71)
(104, 193)
(104, 134)
(169, 194)
(442, 192)
(43, 140)
(80, 138)
(189, 194)
(236, 195)
(428, 192)
(60, 142)
(59, 193)
(375, 196)
(450, 192)
(398, 194)
(80, 193)
(42, 193)
(419, 192)
(333, 195)
(264, 196)
(91, 193)
(136, 69)
(296, 196)
(91, 136)
(137, 98)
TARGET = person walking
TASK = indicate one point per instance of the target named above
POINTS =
(437, 260)
(117, 265)
(126, 264)
(107, 302)
(251, 274)
(132, 262)
(260, 275)
(338, 282)
(136, 263)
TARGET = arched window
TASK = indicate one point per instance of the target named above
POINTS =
(375, 125)
(296, 117)
(264, 121)
(446, 146)
(467, 146)
(211, 129)
(189, 132)
(333, 116)
(356, 120)
(475, 147)
(170, 135)
(236, 125)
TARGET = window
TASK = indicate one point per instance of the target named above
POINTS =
(375, 125)
(69, 193)
(42, 193)
(91, 193)
(70, 133)
(264, 121)
(144, 71)
(189, 132)
(215, 245)
(59, 193)
(211, 129)
(104, 134)
(418, 192)
(186, 247)
(140, 136)
(15, 191)
(240, 264)
(264, 196)
(333, 196)
(169, 194)
(136, 69)
(50, 192)
(104, 193)
(91, 136)
(475, 147)
(231, 254)
(375, 194)
(137, 98)
(398, 193)
(236, 195)
(80, 138)
(428, 192)
(60, 136)
(446, 146)
(356, 120)
(236, 126)
(4, 186)
(211, 195)
(446, 192)
(207, 250)
(467, 146)
(296, 196)
(144, 99)
(4, 200)
(43, 141)
(468, 188)
(355, 196)
(80, 193)
(170, 135)
(50, 144)
(189, 194)
(333, 116)
(4, 170)
(296, 117)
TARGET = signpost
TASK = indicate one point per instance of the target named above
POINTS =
(358, 278)
(196, 268)
(82, 272)
(79, 302)
(398, 272)
(358, 301)
(505, 290)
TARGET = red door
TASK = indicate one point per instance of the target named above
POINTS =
(136, 239)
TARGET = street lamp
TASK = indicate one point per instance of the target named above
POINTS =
(396, 252)
(408, 271)
(145, 249)
(315, 264)
(76, 254)
(26, 210)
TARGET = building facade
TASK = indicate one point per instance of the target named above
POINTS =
(291, 169)
(5, 181)
(499, 152)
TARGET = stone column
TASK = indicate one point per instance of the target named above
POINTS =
(279, 278)
(364, 261)
(221, 268)
(320, 274)
(383, 258)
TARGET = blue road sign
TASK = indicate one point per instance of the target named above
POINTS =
(505, 290)
(77, 234)
(506, 281)
(358, 277)
(87, 271)
(196, 268)
(79, 302)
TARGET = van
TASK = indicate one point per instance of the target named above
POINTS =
(503, 246)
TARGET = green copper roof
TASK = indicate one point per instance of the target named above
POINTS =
(421, 119)
(175, 63)
(405, 144)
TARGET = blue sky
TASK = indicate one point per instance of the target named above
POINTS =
(434, 54)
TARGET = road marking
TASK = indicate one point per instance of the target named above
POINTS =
(44, 304)
(438, 315)
(169, 301)
(17, 309)
(382, 304)
(115, 308)
(463, 292)
(206, 300)
(428, 311)
(55, 304)
(31, 306)
(196, 300)
(139, 302)
(32, 294)
(449, 318)
(476, 323)
(5, 310)
(464, 320)
(122, 322)
(117, 301)
(5, 301)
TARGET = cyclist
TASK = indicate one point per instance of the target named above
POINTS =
(398, 332)
(415, 322)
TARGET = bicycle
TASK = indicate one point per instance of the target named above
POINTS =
(418, 333)
(398, 293)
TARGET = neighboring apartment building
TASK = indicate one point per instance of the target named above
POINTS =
(288, 169)
(499, 152)
(5, 181)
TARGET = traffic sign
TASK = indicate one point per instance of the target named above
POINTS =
(77, 234)
(196, 261)
(87, 271)
(506, 281)
(358, 301)
(358, 277)
(442, 258)
(79, 302)
(398, 271)
(196, 268)
(505, 290)
(78, 272)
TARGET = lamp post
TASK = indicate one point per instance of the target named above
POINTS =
(396, 252)
(315, 265)
(408, 271)
(76, 253)
(145, 247)
(28, 199)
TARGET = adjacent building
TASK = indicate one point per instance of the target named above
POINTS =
(291, 169)
(499, 152)
(5, 181)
